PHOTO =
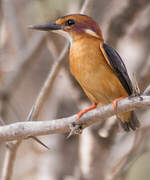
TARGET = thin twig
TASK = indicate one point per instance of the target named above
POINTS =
(147, 90)
(9, 160)
(2, 123)
(86, 6)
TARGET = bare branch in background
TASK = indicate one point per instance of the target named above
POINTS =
(87, 4)
(10, 14)
(119, 24)
(126, 159)
(9, 160)
(143, 67)
(6, 90)
(47, 87)
(28, 55)
(144, 63)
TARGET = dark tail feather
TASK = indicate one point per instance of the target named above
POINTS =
(133, 123)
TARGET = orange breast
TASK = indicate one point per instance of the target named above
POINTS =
(91, 70)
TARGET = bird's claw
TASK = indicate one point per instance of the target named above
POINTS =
(75, 129)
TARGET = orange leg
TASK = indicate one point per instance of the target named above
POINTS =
(86, 110)
(115, 102)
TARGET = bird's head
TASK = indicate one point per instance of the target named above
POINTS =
(73, 27)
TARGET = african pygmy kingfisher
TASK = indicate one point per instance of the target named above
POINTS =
(97, 67)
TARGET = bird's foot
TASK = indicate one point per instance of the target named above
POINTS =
(115, 102)
(75, 129)
(86, 110)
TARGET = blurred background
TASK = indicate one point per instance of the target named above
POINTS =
(103, 151)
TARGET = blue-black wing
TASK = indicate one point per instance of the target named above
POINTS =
(118, 67)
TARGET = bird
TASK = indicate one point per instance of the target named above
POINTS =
(96, 66)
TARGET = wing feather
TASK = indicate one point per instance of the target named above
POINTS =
(117, 65)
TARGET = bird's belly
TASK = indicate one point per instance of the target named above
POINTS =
(94, 75)
(102, 87)
(99, 82)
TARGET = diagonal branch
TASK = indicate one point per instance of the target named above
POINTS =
(27, 55)
(47, 87)
(25, 129)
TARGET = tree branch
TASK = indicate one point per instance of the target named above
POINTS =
(47, 87)
(119, 24)
(27, 55)
(25, 129)
(9, 160)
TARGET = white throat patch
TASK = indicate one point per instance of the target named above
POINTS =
(92, 33)
(65, 34)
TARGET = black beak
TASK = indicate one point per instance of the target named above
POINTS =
(46, 27)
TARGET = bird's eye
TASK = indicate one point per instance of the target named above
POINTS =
(70, 22)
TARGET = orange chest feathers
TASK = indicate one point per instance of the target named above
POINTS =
(91, 70)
